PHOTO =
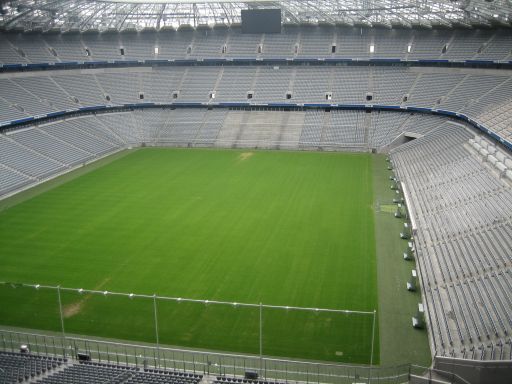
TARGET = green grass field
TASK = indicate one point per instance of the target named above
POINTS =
(283, 228)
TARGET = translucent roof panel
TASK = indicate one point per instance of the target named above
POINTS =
(137, 14)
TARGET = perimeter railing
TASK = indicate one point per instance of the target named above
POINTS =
(199, 362)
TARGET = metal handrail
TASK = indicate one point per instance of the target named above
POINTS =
(458, 379)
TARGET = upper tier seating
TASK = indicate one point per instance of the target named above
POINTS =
(300, 42)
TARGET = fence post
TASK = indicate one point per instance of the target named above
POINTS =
(156, 330)
(261, 334)
(75, 348)
(61, 321)
(33, 347)
(373, 341)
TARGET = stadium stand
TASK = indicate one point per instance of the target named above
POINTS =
(99, 373)
(311, 42)
(463, 212)
(17, 367)
(25, 160)
(484, 95)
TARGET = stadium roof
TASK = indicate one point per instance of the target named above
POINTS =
(104, 15)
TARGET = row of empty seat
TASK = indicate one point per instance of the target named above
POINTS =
(98, 373)
(463, 211)
(33, 368)
(302, 42)
(29, 156)
(26, 367)
(236, 380)
(16, 367)
(484, 96)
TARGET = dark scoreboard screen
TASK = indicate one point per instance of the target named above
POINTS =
(261, 20)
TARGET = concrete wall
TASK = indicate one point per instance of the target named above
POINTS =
(475, 371)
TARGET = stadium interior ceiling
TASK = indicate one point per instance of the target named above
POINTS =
(104, 15)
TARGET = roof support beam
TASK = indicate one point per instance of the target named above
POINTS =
(121, 14)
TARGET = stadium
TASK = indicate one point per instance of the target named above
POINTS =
(257, 192)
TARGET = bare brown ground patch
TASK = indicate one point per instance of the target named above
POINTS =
(75, 308)
(245, 155)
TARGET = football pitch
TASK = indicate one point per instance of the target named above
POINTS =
(273, 227)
